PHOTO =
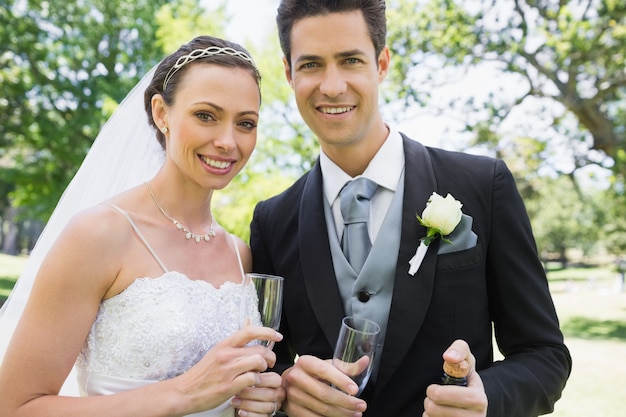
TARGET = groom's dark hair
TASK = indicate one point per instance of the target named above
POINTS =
(290, 11)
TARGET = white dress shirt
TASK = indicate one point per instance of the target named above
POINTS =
(384, 169)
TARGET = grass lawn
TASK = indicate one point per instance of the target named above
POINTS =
(592, 311)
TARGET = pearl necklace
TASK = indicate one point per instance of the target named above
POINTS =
(188, 233)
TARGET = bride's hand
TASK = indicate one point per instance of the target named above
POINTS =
(264, 398)
(228, 368)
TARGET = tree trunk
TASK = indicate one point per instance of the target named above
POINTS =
(9, 244)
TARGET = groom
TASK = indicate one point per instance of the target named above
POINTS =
(445, 307)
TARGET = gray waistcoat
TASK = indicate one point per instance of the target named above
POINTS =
(377, 276)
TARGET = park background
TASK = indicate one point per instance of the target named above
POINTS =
(541, 85)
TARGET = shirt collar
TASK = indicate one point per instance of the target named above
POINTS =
(384, 169)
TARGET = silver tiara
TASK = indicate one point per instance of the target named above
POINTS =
(203, 53)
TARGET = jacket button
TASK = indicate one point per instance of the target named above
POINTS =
(363, 296)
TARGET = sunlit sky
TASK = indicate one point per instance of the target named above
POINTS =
(251, 18)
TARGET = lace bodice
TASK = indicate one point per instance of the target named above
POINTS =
(160, 327)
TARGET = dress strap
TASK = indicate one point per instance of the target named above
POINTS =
(143, 239)
(243, 274)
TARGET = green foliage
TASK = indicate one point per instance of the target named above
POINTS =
(525, 157)
(61, 62)
(64, 67)
(569, 54)
(285, 145)
(178, 22)
(562, 220)
(612, 224)
(556, 74)
(234, 205)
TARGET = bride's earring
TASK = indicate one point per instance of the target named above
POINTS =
(164, 129)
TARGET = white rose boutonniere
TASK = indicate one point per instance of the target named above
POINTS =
(440, 217)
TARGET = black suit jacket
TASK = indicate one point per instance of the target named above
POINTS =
(498, 282)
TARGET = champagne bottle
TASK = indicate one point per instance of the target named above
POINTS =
(455, 373)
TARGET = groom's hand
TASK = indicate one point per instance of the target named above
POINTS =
(309, 392)
(452, 400)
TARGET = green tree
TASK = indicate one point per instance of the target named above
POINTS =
(64, 67)
(552, 70)
(562, 221)
(61, 63)
(612, 224)
(563, 62)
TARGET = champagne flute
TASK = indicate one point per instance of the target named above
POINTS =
(355, 348)
(262, 302)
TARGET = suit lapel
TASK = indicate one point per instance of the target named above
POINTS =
(317, 265)
(411, 294)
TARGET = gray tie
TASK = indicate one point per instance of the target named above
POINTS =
(355, 209)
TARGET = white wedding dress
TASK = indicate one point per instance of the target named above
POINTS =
(158, 328)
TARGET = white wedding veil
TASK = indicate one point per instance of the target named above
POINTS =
(124, 154)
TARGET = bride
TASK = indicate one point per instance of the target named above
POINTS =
(133, 295)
